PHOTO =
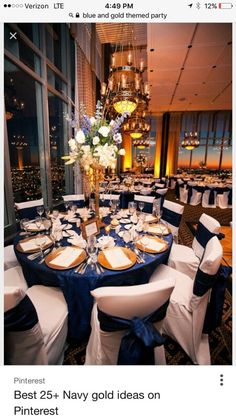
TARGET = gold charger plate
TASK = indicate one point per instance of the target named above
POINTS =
(167, 232)
(56, 252)
(36, 249)
(129, 253)
(147, 249)
(36, 230)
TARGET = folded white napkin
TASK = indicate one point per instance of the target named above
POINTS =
(32, 226)
(66, 257)
(77, 240)
(84, 212)
(153, 245)
(104, 211)
(116, 257)
(157, 230)
(106, 242)
(31, 244)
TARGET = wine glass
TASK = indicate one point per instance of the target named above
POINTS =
(144, 242)
(47, 212)
(40, 241)
(40, 211)
(92, 250)
(38, 222)
(47, 224)
(56, 236)
(126, 237)
(66, 205)
(74, 209)
(23, 225)
(113, 206)
(141, 206)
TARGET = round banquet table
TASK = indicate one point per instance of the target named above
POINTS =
(76, 287)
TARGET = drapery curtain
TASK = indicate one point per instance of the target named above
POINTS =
(173, 143)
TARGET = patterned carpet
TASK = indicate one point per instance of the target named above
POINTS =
(221, 338)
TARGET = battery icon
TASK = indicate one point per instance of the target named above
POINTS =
(225, 5)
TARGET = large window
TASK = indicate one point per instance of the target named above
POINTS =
(24, 124)
(215, 135)
(39, 79)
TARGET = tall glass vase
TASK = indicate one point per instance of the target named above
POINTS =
(92, 179)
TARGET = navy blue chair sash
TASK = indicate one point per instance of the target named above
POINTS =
(211, 198)
(21, 317)
(171, 217)
(230, 196)
(161, 197)
(203, 235)
(138, 343)
(202, 283)
(215, 307)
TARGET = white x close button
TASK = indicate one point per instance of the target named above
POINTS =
(13, 35)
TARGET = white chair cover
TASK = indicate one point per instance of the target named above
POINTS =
(205, 197)
(222, 199)
(183, 193)
(160, 185)
(196, 197)
(207, 225)
(109, 197)
(146, 191)
(186, 312)
(144, 198)
(79, 197)
(176, 211)
(10, 260)
(53, 321)
(23, 347)
(186, 259)
(44, 342)
(29, 204)
(14, 277)
(124, 302)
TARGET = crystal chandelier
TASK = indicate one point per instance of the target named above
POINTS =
(190, 141)
(141, 142)
(126, 88)
(136, 125)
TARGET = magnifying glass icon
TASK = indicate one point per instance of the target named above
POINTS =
(71, 15)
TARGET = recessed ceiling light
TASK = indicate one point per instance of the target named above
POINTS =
(182, 68)
(190, 46)
(195, 94)
(214, 66)
(151, 71)
(152, 49)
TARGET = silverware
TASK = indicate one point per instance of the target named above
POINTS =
(139, 255)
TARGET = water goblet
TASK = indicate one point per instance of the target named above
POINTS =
(40, 241)
(66, 205)
(92, 252)
(40, 211)
(47, 224)
(38, 222)
(144, 242)
(47, 212)
(141, 206)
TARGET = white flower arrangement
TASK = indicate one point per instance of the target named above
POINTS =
(96, 141)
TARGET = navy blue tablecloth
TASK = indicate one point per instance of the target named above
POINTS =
(76, 288)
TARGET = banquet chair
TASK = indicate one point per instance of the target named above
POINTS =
(159, 185)
(194, 196)
(224, 200)
(10, 260)
(35, 326)
(28, 209)
(186, 259)
(146, 191)
(140, 309)
(148, 202)
(78, 200)
(209, 196)
(172, 215)
(160, 196)
(14, 277)
(186, 312)
(181, 191)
